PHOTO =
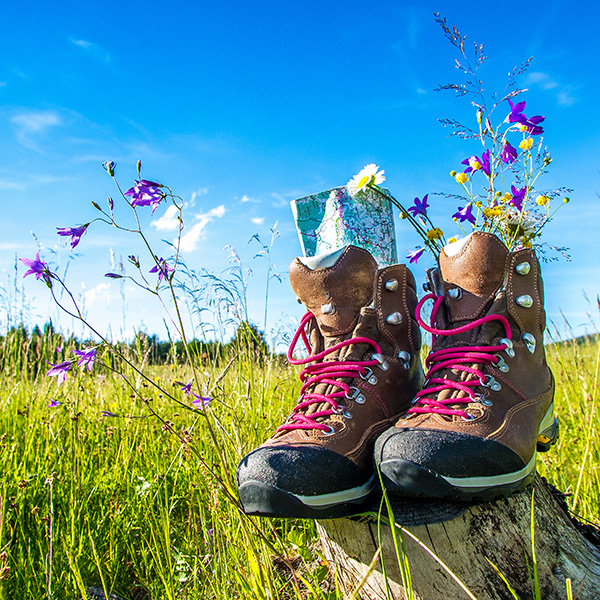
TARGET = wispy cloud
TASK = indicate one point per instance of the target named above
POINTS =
(13, 246)
(543, 80)
(93, 50)
(197, 194)
(11, 185)
(189, 240)
(258, 220)
(168, 221)
(31, 124)
(245, 198)
(564, 93)
(100, 292)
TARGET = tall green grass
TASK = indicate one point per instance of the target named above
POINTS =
(121, 503)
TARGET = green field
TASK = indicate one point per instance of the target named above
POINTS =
(132, 503)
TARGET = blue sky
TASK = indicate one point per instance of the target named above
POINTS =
(242, 106)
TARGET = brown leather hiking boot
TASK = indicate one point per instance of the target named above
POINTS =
(487, 403)
(362, 371)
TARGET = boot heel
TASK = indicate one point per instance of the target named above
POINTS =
(548, 437)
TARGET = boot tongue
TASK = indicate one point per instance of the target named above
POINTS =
(334, 288)
(472, 271)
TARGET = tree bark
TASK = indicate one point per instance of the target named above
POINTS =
(463, 536)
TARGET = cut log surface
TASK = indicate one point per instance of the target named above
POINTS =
(463, 536)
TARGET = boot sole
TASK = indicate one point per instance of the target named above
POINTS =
(266, 500)
(406, 478)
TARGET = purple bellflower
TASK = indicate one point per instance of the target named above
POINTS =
(464, 214)
(145, 193)
(483, 162)
(54, 403)
(517, 197)
(420, 207)
(86, 358)
(516, 116)
(74, 232)
(186, 387)
(414, 255)
(201, 402)
(36, 266)
(516, 112)
(59, 371)
(162, 268)
(508, 154)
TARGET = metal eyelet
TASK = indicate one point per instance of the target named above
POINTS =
(530, 342)
(360, 399)
(328, 309)
(509, 347)
(471, 417)
(347, 414)
(523, 268)
(501, 365)
(330, 431)
(369, 377)
(526, 301)
(383, 364)
(481, 399)
(391, 285)
(352, 393)
(405, 358)
(490, 382)
(394, 318)
(455, 293)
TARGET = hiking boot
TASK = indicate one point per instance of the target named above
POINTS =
(362, 371)
(486, 408)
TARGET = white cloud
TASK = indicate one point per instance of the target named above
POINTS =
(245, 199)
(82, 43)
(95, 51)
(100, 292)
(566, 98)
(10, 185)
(30, 124)
(189, 240)
(542, 79)
(169, 221)
(564, 94)
(258, 220)
(199, 192)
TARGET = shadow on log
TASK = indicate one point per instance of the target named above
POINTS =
(463, 536)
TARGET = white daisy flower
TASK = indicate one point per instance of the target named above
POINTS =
(367, 176)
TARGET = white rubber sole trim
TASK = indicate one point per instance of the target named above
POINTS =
(472, 484)
(548, 419)
(326, 500)
(480, 483)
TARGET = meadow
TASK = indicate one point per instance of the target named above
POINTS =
(99, 492)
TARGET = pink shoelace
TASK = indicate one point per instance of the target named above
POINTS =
(458, 360)
(330, 373)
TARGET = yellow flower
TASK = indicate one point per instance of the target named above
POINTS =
(566, 200)
(542, 200)
(507, 197)
(461, 177)
(452, 239)
(435, 234)
(526, 144)
(453, 173)
(492, 212)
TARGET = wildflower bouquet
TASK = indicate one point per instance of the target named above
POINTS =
(499, 183)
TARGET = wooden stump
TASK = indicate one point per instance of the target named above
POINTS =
(463, 536)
